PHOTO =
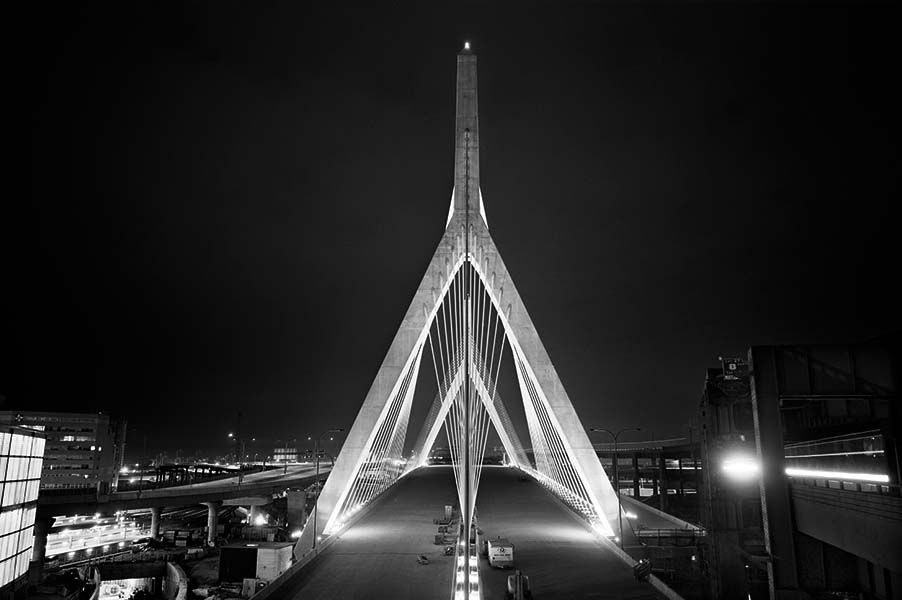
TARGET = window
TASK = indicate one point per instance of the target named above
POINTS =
(21, 457)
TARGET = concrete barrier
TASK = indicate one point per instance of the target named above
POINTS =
(175, 582)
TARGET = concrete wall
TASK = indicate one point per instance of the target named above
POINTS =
(175, 582)
(272, 562)
(867, 525)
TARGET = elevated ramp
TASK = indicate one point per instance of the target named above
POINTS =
(648, 517)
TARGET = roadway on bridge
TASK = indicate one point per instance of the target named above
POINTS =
(376, 556)
(552, 546)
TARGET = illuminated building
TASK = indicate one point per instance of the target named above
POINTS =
(84, 450)
(285, 455)
(21, 455)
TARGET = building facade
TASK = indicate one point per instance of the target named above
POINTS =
(21, 456)
(289, 454)
(732, 554)
(84, 451)
(827, 427)
(801, 491)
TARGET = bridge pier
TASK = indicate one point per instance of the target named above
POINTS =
(155, 521)
(297, 508)
(42, 527)
(636, 475)
(212, 520)
(662, 476)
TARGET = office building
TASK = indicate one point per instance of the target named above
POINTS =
(285, 455)
(84, 450)
(21, 455)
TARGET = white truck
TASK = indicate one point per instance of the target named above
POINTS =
(501, 553)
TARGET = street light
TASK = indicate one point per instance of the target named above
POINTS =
(614, 436)
(740, 467)
(316, 481)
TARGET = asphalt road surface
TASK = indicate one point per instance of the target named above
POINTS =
(376, 557)
(563, 560)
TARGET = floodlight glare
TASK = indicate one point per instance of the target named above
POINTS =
(740, 468)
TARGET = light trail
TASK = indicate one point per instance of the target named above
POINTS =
(841, 475)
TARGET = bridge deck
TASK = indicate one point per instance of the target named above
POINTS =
(562, 559)
(376, 557)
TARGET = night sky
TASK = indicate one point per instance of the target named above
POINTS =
(230, 205)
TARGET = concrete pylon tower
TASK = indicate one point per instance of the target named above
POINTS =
(465, 286)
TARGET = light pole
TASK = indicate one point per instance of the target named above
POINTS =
(614, 436)
(316, 480)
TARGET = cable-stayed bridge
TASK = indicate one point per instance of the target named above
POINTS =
(466, 319)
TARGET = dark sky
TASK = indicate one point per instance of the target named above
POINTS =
(230, 205)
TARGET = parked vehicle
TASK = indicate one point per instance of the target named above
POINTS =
(501, 553)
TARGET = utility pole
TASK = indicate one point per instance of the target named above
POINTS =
(239, 445)
(614, 436)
